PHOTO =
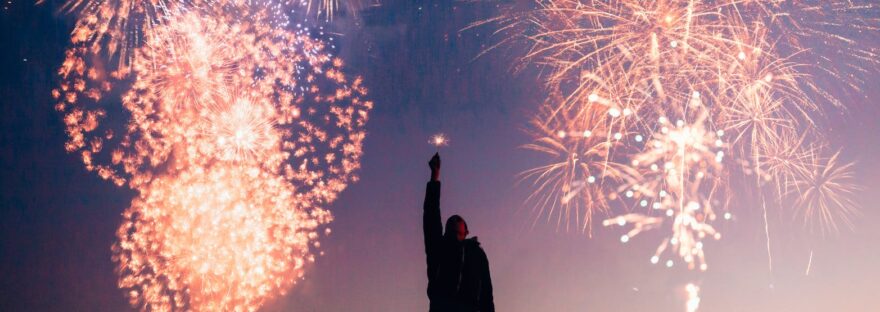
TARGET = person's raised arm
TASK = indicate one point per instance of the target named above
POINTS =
(433, 226)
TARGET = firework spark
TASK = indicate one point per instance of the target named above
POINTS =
(658, 105)
(238, 135)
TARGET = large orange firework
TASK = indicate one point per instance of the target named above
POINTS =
(236, 134)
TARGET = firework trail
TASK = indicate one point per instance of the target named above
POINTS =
(693, 297)
(809, 264)
(329, 8)
(237, 135)
(659, 105)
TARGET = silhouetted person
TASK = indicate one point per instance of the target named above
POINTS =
(458, 270)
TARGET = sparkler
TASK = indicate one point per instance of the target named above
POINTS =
(439, 140)
(660, 104)
(238, 135)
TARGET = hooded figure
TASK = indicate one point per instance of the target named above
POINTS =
(458, 270)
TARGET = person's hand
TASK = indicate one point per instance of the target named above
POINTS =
(434, 164)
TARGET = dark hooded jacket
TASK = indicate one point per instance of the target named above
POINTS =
(458, 272)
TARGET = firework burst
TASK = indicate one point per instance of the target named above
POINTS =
(658, 105)
(238, 134)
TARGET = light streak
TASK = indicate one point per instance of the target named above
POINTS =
(693, 297)
(809, 264)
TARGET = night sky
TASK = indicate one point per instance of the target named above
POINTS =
(58, 221)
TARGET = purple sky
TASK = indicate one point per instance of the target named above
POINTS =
(57, 221)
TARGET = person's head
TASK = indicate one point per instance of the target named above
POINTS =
(456, 227)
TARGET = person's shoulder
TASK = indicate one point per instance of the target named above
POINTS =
(473, 247)
(473, 243)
